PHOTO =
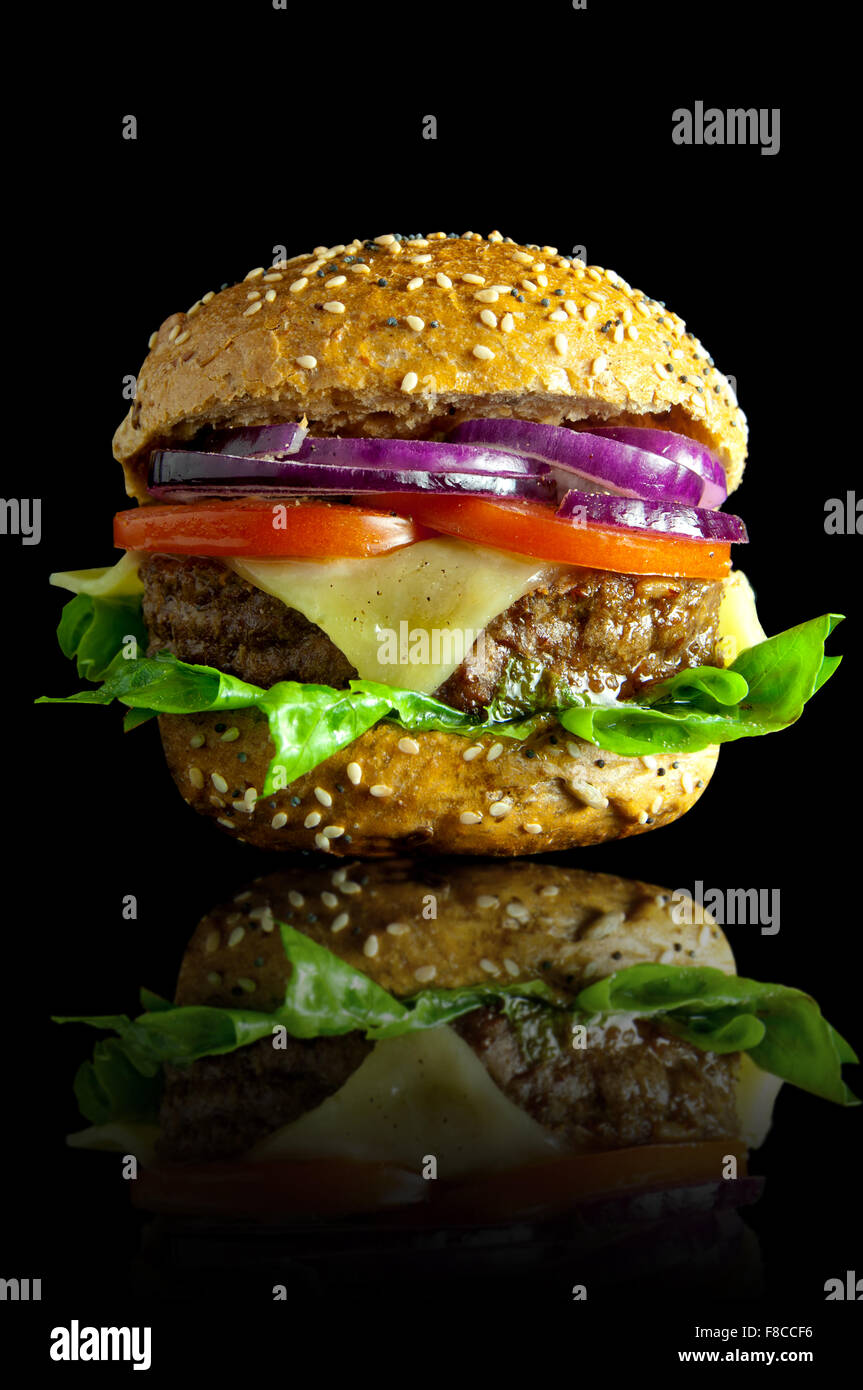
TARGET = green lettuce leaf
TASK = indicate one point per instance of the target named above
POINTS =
(763, 691)
(783, 1029)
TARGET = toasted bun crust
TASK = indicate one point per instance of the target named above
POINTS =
(320, 335)
(525, 919)
(420, 792)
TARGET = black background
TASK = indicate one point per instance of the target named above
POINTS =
(555, 127)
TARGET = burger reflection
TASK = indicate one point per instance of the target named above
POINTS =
(471, 1066)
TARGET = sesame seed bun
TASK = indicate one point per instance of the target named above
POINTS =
(388, 792)
(525, 919)
(407, 337)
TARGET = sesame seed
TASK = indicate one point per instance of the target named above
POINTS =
(322, 842)
(236, 936)
(487, 296)
(559, 316)
(335, 281)
(296, 899)
(587, 793)
(152, 340)
(499, 808)
(329, 899)
(483, 353)
(230, 735)
(488, 966)
(473, 752)
(334, 306)
(528, 285)
(409, 382)
(228, 824)
(656, 805)
(307, 361)
(405, 745)
(196, 777)
(349, 887)
(355, 773)
(443, 280)
(216, 801)
(361, 269)
(380, 789)
(323, 796)
(212, 942)
(279, 819)
(642, 818)
(523, 257)
(494, 752)
(182, 338)
(561, 343)
(533, 828)
(205, 298)
(473, 279)
(487, 900)
(507, 323)
(398, 928)
(589, 312)
(488, 318)
(425, 973)
(420, 260)
(649, 762)
(298, 285)
(517, 911)
(250, 797)
(386, 240)
(417, 324)
(632, 332)
(688, 783)
(594, 272)
(173, 333)
(370, 945)
(312, 819)
(415, 283)
(218, 782)
(253, 274)
(618, 333)
(470, 818)
(542, 280)
(339, 923)
(598, 364)
(273, 275)
(510, 966)
(333, 832)
(550, 890)
(253, 308)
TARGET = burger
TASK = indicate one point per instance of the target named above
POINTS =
(421, 1051)
(429, 554)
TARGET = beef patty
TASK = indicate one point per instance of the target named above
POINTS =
(630, 1084)
(219, 1106)
(627, 1087)
(590, 629)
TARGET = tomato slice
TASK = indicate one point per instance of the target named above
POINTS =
(326, 1187)
(560, 1184)
(334, 1187)
(533, 528)
(264, 529)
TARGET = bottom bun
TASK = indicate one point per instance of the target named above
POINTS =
(389, 791)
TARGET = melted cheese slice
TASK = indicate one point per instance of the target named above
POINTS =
(434, 597)
(112, 581)
(738, 626)
(424, 1093)
(756, 1095)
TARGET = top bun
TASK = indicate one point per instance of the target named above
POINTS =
(407, 336)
